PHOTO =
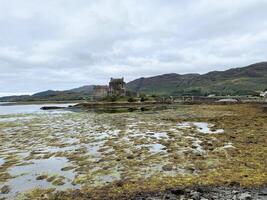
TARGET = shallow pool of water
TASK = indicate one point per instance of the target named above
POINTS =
(201, 127)
(2, 161)
(25, 177)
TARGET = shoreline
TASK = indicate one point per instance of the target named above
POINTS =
(123, 105)
(130, 106)
(91, 105)
(194, 192)
(208, 192)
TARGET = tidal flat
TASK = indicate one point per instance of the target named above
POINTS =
(63, 154)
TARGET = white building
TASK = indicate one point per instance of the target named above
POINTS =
(263, 94)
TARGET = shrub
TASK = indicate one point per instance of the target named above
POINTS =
(112, 98)
(143, 97)
(131, 99)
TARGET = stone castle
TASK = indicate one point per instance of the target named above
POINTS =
(116, 87)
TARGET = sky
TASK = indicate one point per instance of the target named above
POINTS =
(63, 44)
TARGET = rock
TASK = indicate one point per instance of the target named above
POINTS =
(178, 191)
(130, 156)
(167, 167)
(199, 153)
(210, 148)
(191, 169)
(119, 183)
(213, 129)
(41, 177)
(234, 197)
(263, 192)
(195, 195)
(234, 184)
(68, 168)
(52, 178)
(106, 167)
(58, 182)
(182, 197)
(235, 192)
(51, 108)
(5, 189)
(245, 196)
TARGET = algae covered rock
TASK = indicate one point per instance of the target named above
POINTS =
(5, 189)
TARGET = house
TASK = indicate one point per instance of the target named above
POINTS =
(211, 95)
(263, 94)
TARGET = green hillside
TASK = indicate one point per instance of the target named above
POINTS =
(237, 81)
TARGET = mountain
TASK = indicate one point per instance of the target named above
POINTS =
(247, 80)
(52, 95)
(87, 89)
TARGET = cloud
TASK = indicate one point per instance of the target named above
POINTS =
(60, 44)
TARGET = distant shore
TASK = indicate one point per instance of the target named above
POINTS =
(81, 104)
(38, 103)
(119, 104)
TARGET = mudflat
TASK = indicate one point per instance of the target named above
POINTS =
(187, 151)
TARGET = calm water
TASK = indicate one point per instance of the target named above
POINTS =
(26, 109)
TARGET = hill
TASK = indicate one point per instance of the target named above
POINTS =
(87, 89)
(51, 95)
(247, 80)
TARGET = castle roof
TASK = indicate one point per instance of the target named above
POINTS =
(116, 80)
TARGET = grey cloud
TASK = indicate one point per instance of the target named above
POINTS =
(60, 44)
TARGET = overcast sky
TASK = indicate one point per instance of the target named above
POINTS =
(61, 44)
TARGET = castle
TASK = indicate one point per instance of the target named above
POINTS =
(116, 87)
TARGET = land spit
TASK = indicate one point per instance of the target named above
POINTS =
(120, 104)
(188, 151)
(143, 106)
